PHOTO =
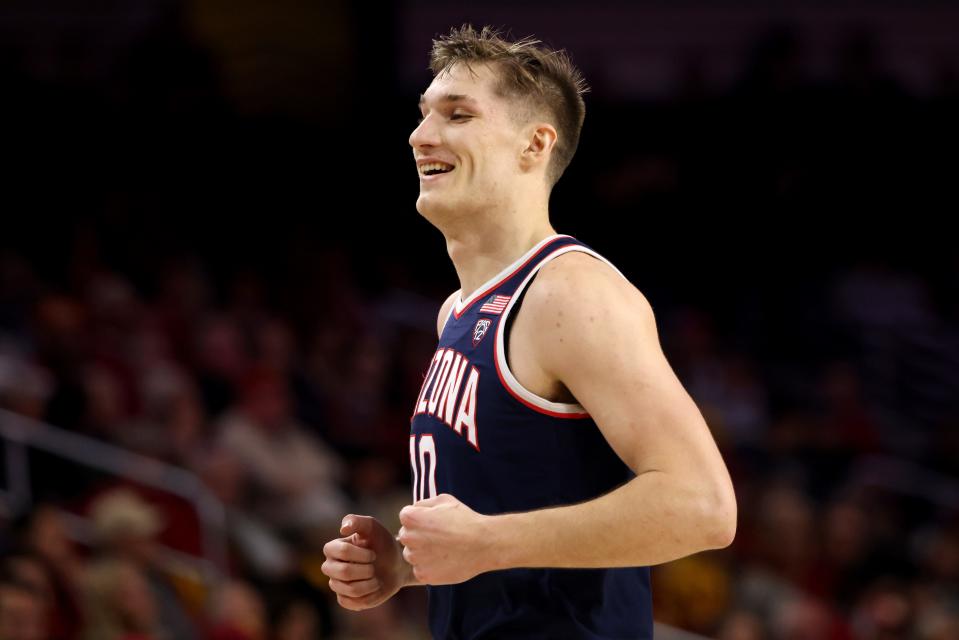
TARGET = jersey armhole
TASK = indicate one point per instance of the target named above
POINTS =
(507, 379)
(449, 312)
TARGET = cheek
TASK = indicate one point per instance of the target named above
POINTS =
(493, 160)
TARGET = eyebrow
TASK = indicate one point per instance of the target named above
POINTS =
(450, 97)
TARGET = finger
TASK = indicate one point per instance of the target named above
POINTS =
(359, 541)
(408, 515)
(443, 498)
(420, 574)
(362, 525)
(347, 571)
(345, 551)
(409, 539)
(356, 588)
(355, 604)
(409, 555)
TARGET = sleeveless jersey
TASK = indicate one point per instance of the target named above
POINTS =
(479, 435)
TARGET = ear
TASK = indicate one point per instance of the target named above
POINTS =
(541, 137)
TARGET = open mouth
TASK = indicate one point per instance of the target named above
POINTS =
(435, 168)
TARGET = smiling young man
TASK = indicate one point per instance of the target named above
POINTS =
(555, 455)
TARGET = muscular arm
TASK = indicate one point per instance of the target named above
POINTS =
(593, 333)
(597, 335)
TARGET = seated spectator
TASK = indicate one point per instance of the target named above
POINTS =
(126, 529)
(293, 474)
(23, 611)
(238, 614)
(120, 604)
(49, 561)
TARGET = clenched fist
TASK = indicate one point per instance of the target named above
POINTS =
(366, 566)
(445, 541)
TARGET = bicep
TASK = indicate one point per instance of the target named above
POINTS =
(606, 351)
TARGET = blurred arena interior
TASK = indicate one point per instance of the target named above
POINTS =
(217, 299)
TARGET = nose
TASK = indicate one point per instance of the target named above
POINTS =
(425, 134)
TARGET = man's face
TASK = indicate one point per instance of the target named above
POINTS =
(467, 147)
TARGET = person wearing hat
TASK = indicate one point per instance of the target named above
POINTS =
(125, 528)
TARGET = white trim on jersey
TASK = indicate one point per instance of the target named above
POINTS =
(506, 376)
(459, 304)
(448, 314)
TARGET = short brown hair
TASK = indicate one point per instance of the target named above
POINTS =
(542, 77)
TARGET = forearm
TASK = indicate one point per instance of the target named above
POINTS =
(649, 520)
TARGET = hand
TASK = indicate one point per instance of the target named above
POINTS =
(445, 541)
(365, 567)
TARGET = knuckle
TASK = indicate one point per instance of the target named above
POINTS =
(361, 555)
(359, 589)
(364, 571)
(354, 572)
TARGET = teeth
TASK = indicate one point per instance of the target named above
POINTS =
(435, 166)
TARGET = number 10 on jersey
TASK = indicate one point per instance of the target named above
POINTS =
(423, 463)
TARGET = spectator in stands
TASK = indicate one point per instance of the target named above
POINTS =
(238, 614)
(50, 556)
(23, 611)
(125, 528)
(294, 475)
(120, 604)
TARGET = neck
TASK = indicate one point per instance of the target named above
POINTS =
(481, 249)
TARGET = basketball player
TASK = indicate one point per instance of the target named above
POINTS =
(555, 456)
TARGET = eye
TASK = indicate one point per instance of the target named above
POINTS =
(460, 116)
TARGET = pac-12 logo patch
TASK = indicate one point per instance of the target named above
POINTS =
(480, 329)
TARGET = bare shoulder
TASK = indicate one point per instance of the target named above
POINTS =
(579, 286)
(445, 312)
(580, 309)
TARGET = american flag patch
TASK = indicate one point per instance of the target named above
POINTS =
(495, 305)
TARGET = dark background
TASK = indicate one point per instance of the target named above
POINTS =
(779, 181)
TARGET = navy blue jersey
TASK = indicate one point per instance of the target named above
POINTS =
(481, 436)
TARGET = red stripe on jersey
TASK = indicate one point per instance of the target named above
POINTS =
(555, 414)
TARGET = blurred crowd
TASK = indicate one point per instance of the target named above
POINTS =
(289, 432)
(188, 311)
(848, 510)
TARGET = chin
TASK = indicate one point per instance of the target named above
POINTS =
(432, 208)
